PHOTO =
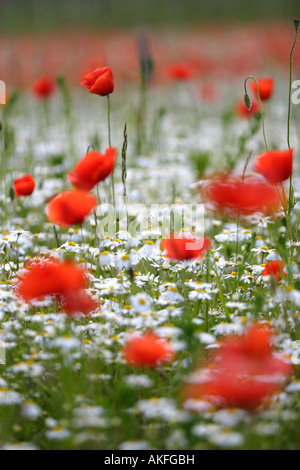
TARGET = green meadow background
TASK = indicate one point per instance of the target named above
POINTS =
(42, 15)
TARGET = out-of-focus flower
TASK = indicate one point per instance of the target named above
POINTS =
(185, 248)
(44, 87)
(78, 302)
(180, 71)
(147, 350)
(235, 195)
(241, 110)
(265, 88)
(275, 269)
(99, 82)
(276, 165)
(93, 168)
(209, 92)
(61, 279)
(242, 373)
(24, 186)
(49, 277)
(70, 207)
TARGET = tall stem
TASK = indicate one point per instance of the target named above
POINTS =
(108, 119)
(296, 23)
(109, 144)
(260, 108)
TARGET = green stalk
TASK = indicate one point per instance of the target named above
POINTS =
(248, 104)
(109, 144)
(296, 24)
(56, 236)
(108, 119)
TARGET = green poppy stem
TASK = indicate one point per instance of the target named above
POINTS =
(296, 24)
(259, 102)
(109, 144)
(108, 119)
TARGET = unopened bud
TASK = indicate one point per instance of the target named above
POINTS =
(296, 23)
(247, 101)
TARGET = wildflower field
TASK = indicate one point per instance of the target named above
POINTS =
(149, 204)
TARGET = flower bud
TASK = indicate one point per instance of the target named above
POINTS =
(247, 101)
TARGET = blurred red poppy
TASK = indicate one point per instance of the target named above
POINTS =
(276, 165)
(70, 207)
(275, 269)
(241, 110)
(44, 87)
(62, 279)
(100, 81)
(235, 195)
(209, 92)
(147, 350)
(265, 88)
(93, 168)
(24, 186)
(49, 276)
(78, 302)
(184, 248)
(180, 71)
(243, 372)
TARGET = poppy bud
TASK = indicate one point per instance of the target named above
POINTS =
(247, 101)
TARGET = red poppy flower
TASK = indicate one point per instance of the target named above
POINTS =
(62, 279)
(241, 110)
(148, 350)
(265, 88)
(78, 302)
(49, 277)
(93, 168)
(275, 269)
(242, 373)
(180, 71)
(70, 207)
(185, 248)
(44, 87)
(100, 81)
(24, 186)
(233, 195)
(276, 165)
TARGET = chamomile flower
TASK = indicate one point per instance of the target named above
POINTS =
(149, 250)
(141, 303)
(227, 438)
(106, 258)
(58, 433)
(30, 410)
